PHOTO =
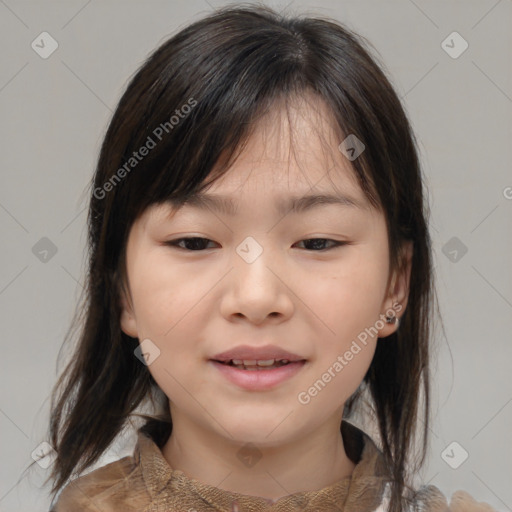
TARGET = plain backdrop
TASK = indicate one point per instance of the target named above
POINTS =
(54, 112)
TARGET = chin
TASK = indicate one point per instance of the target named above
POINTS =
(264, 431)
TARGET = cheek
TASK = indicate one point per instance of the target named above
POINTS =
(342, 360)
(348, 304)
(348, 299)
(165, 296)
(167, 303)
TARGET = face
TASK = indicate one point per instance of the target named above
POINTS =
(257, 278)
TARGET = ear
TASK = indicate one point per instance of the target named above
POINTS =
(396, 299)
(127, 319)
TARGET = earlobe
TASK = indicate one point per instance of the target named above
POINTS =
(401, 289)
(127, 318)
(398, 293)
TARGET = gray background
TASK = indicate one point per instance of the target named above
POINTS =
(54, 113)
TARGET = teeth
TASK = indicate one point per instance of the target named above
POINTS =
(254, 365)
(260, 362)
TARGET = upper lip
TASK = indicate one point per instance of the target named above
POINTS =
(246, 352)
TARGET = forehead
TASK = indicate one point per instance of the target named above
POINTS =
(296, 140)
(294, 147)
(291, 159)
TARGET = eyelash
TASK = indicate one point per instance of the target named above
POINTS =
(175, 243)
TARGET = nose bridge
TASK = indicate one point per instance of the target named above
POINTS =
(256, 290)
(250, 250)
(253, 262)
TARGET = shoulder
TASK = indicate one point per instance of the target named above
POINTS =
(431, 499)
(106, 488)
(462, 502)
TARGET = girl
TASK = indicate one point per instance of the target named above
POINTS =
(260, 272)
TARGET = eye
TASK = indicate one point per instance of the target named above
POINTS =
(198, 243)
(316, 242)
(195, 241)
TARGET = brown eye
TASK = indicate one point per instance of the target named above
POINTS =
(316, 244)
(191, 243)
(198, 244)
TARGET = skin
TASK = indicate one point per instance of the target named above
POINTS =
(193, 304)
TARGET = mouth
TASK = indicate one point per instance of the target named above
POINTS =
(258, 375)
(258, 365)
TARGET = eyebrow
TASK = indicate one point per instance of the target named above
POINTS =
(294, 204)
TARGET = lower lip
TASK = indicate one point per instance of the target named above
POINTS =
(259, 380)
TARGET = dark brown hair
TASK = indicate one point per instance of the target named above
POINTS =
(216, 77)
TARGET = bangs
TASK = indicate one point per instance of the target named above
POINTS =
(197, 105)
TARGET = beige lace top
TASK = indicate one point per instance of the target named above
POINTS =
(146, 482)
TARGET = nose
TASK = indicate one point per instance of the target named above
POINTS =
(257, 288)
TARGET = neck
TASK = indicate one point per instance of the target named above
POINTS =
(264, 469)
